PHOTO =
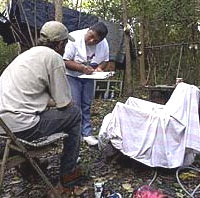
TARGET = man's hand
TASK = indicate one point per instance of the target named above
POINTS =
(87, 69)
(51, 103)
(71, 104)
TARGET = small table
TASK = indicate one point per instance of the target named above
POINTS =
(160, 93)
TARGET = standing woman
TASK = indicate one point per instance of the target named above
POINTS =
(89, 53)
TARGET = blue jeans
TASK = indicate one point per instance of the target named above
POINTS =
(67, 120)
(82, 94)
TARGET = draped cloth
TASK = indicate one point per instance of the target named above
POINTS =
(156, 135)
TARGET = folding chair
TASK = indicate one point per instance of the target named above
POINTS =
(27, 151)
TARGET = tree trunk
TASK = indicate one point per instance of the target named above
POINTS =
(58, 10)
(77, 2)
(128, 89)
(104, 10)
(141, 53)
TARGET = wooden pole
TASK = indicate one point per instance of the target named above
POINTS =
(5, 157)
(35, 21)
(27, 23)
(77, 2)
(58, 10)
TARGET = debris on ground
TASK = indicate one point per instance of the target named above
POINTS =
(118, 173)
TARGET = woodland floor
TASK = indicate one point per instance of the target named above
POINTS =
(119, 173)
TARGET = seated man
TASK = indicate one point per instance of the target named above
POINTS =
(34, 78)
(157, 135)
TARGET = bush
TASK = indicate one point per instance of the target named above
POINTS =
(7, 54)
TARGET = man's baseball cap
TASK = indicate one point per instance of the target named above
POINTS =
(54, 31)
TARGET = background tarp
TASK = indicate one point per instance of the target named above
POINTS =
(38, 12)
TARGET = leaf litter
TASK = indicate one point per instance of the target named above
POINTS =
(118, 172)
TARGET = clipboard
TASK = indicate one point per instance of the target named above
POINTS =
(97, 75)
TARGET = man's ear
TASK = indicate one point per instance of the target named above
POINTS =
(62, 43)
(60, 47)
(56, 45)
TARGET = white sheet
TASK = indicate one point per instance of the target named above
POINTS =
(156, 135)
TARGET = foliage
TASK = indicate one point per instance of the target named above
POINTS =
(2, 5)
(7, 53)
(170, 34)
(169, 22)
(170, 25)
(69, 3)
(110, 10)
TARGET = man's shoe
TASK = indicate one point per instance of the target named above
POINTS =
(73, 178)
(91, 140)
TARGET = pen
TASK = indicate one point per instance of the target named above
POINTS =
(94, 65)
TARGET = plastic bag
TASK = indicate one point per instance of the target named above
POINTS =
(148, 192)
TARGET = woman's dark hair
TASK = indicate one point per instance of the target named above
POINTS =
(101, 29)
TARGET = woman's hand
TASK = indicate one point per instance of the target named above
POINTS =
(87, 69)
(98, 69)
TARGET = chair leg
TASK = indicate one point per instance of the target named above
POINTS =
(43, 176)
(5, 157)
(25, 152)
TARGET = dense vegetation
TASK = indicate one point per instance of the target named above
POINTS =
(170, 33)
(170, 36)
(7, 53)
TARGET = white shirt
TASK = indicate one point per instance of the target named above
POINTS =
(79, 52)
(28, 83)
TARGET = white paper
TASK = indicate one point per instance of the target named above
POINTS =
(97, 75)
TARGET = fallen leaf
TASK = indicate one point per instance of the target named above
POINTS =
(126, 186)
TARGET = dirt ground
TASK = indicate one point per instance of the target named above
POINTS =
(117, 172)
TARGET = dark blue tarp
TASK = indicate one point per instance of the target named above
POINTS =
(37, 12)
(45, 11)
